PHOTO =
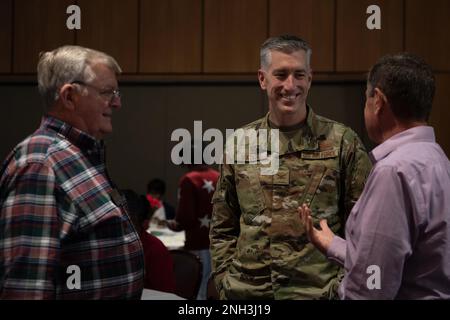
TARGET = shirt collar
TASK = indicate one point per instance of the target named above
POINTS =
(77, 137)
(415, 134)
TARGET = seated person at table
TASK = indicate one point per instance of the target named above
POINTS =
(156, 189)
(159, 273)
(193, 214)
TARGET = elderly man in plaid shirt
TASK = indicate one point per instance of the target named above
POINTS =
(64, 230)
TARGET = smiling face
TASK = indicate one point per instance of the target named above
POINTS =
(96, 103)
(287, 81)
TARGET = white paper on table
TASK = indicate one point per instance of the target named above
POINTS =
(171, 239)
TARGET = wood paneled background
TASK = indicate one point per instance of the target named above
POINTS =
(312, 20)
(140, 146)
(223, 36)
(111, 26)
(357, 47)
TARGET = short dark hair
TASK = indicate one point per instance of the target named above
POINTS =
(195, 147)
(138, 208)
(156, 186)
(408, 83)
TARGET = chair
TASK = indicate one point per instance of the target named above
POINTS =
(211, 293)
(187, 268)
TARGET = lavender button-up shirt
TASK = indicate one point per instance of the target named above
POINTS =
(398, 233)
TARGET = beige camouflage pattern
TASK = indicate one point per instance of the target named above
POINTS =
(259, 248)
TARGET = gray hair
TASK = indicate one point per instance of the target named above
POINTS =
(67, 64)
(286, 44)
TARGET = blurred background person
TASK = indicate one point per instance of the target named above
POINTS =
(396, 242)
(58, 205)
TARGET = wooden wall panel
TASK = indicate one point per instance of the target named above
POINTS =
(311, 20)
(111, 26)
(427, 31)
(440, 114)
(358, 47)
(5, 35)
(170, 36)
(234, 32)
(39, 25)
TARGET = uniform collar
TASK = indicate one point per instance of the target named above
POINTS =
(415, 134)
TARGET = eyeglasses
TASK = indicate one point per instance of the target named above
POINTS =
(109, 94)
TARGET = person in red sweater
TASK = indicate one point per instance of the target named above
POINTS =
(159, 274)
(193, 215)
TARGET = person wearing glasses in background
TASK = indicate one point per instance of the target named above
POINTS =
(64, 230)
(397, 237)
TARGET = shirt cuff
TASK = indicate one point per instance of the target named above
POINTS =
(337, 250)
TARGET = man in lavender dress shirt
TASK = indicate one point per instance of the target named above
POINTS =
(398, 234)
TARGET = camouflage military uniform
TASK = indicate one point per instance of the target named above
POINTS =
(258, 245)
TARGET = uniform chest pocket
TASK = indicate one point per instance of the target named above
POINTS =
(249, 191)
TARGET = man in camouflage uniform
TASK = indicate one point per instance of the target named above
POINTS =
(259, 249)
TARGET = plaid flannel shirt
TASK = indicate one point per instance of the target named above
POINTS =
(62, 220)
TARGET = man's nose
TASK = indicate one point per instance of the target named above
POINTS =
(116, 103)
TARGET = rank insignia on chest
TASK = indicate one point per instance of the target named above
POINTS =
(320, 154)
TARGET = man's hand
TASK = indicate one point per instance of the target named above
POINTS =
(321, 239)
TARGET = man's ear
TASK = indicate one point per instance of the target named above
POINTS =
(380, 102)
(262, 79)
(67, 95)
